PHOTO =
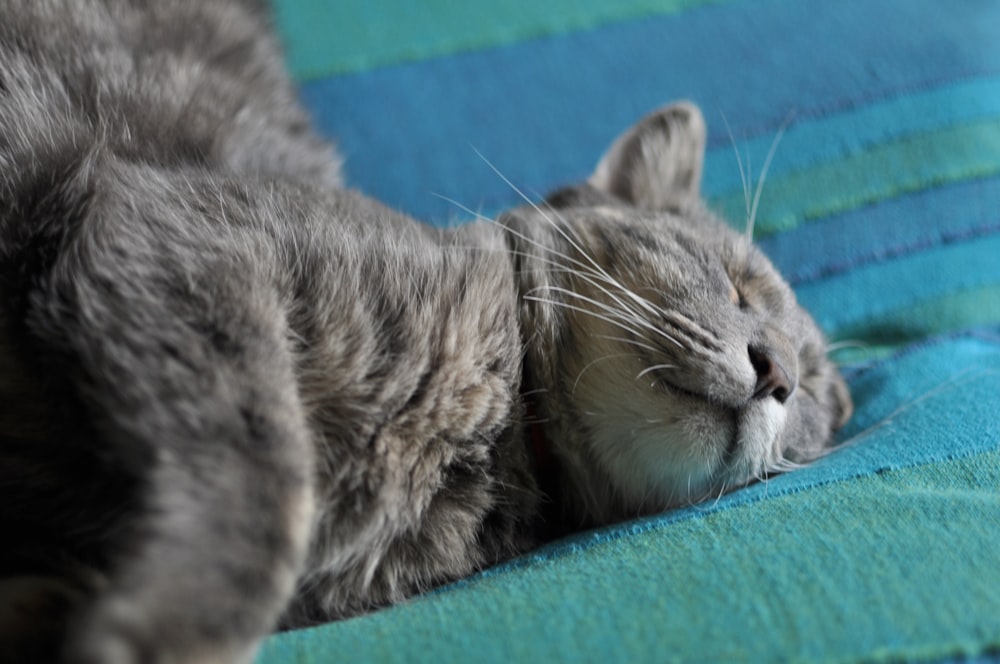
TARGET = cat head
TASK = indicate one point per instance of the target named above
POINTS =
(667, 359)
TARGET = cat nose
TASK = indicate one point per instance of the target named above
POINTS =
(772, 378)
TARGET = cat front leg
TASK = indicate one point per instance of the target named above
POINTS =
(181, 368)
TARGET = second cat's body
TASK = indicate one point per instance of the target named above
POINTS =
(237, 396)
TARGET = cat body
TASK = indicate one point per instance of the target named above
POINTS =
(237, 395)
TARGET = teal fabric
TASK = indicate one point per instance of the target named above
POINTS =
(882, 207)
(884, 551)
(341, 37)
(845, 572)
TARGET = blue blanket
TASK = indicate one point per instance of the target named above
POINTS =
(881, 206)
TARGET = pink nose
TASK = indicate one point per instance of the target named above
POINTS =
(772, 378)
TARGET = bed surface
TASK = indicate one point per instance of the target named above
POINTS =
(881, 206)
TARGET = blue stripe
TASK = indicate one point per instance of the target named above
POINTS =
(893, 229)
(810, 142)
(869, 292)
(544, 110)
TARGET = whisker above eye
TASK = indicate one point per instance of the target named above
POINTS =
(752, 204)
(744, 180)
(763, 174)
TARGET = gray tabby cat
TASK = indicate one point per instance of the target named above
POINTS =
(236, 396)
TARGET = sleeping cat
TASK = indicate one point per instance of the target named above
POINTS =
(236, 395)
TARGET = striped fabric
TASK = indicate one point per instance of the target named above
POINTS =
(881, 206)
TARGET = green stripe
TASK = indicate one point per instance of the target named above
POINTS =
(885, 171)
(887, 332)
(342, 37)
(893, 566)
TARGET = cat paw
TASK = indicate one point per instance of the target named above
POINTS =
(116, 634)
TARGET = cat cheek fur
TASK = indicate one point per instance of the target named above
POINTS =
(658, 449)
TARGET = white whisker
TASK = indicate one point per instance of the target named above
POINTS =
(565, 305)
(576, 383)
(626, 340)
(655, 367)
(618, 314)
(763, 174)
(585, 271)
(846, 343)
(959, 379)
(591, 272)
(744, 179)
(562, 232)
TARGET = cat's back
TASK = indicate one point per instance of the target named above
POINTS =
(175, 83)
(160, 190)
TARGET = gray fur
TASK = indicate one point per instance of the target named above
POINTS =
(236, 396)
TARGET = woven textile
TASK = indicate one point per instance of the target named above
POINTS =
(881, 206)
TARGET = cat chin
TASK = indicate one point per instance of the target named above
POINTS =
(694, 451)
(760, 426)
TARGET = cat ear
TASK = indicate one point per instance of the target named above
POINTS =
(657, 163)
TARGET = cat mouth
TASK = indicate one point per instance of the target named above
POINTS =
(674, 388)
(731, 402)
(732, 450)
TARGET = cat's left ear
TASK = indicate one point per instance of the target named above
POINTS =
(656, 164)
